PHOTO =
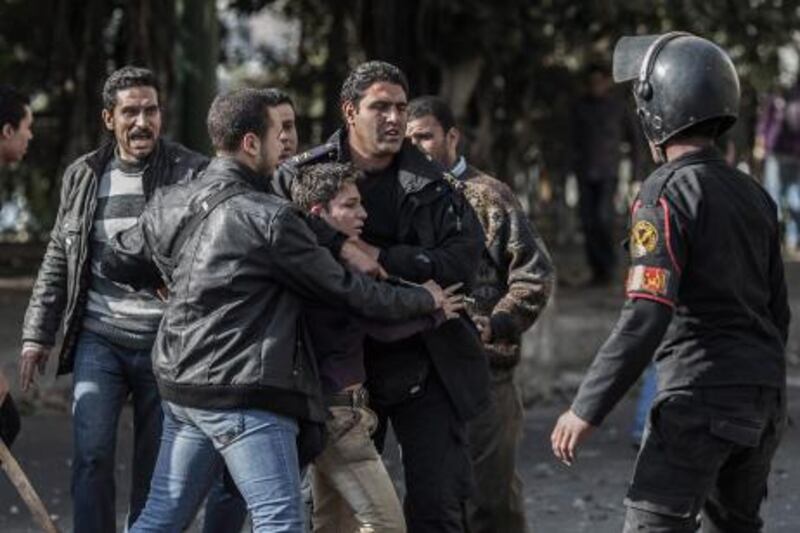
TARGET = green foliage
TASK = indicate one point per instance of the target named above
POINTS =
(511, 66)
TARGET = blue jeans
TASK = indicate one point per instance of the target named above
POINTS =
(645, 401)
(257, 446)
(225, 511)
(105, 374)
(782, 181)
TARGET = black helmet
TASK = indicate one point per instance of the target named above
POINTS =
(681, 80)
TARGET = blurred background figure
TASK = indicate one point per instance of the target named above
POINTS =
(600, 125)
(778, 144)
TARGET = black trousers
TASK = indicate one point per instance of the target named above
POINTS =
(706, 451)
(596, 209)
(438, 473)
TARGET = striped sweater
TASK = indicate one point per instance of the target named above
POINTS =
(115, 311)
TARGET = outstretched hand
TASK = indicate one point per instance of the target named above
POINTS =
(569, 432)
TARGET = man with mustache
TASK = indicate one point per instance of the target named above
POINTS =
(418, 228)
(108, 327)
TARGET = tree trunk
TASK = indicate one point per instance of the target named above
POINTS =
(197, 71)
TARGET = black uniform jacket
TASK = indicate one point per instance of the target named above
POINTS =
(438, 237)
(705, 253)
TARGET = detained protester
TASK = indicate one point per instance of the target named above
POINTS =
(351, 487)
(232, 356)
(108, 327)
(16, 120)
(514, 281)
(705, 254)
(418, 228)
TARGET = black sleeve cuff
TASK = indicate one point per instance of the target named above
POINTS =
(503, 327)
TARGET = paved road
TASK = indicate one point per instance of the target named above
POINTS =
(586, 497)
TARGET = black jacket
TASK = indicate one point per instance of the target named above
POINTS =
(232, 334)
(64, 278)
(705, 254)
(438, 237)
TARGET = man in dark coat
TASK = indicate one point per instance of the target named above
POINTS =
(418, 228)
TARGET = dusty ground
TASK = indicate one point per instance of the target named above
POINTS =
(586, 497)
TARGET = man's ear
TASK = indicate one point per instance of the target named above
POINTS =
(452, 138)
(251, 144)
(7, 131)
(349, 111)
(108, 119)
(317, 209)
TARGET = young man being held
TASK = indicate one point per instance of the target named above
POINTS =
(352, 489)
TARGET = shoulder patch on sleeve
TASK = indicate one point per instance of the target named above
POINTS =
(653, 280)
(644, 238)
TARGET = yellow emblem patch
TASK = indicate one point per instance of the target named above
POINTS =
(644, 239)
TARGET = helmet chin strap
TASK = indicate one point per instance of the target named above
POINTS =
(661, 154)
(658, 152)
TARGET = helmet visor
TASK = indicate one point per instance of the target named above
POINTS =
(629, 54)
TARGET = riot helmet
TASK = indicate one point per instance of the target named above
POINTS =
(681, 80)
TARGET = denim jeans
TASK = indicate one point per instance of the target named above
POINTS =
(782, 181)
(351, 487)
(225, 511)
(645, 401)
(105, 374)
(257, 446)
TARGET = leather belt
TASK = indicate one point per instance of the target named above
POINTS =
(358, 397)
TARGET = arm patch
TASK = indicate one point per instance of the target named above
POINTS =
(656, 252)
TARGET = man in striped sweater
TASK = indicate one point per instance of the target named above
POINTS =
(108, 327)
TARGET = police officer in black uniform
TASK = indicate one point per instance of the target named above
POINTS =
(705, 256)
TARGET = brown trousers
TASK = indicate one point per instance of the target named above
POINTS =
(494, 437)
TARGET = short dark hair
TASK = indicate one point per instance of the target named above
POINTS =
(365, 75)
(320, 183)
(236, 113)
(434, 106)
(280, 97)
(12, 106)
(707, 129)
(125, 78)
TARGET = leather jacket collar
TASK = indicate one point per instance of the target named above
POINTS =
(415, 171)
(228, 166)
